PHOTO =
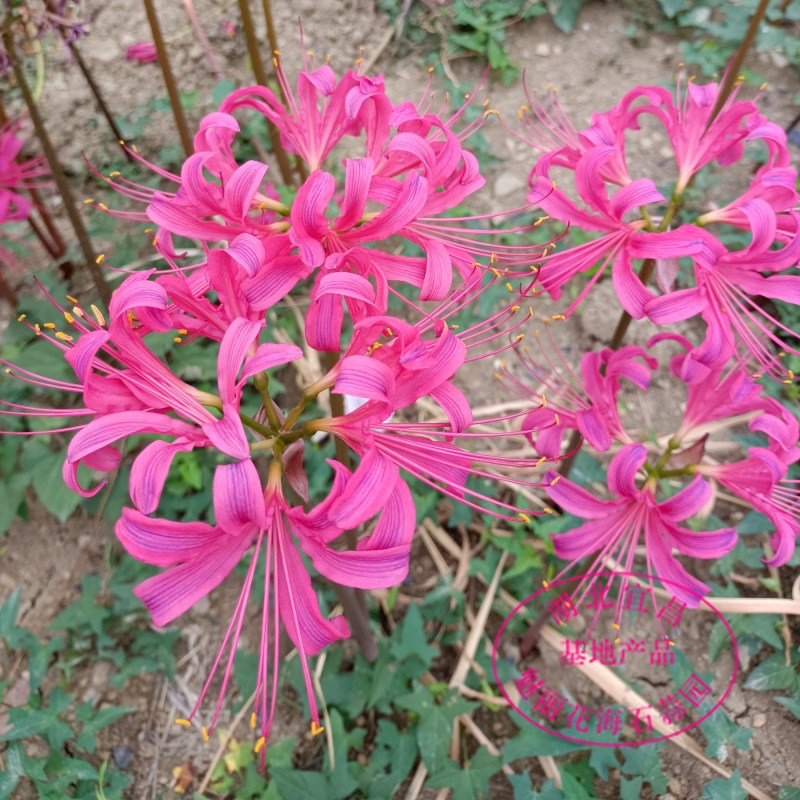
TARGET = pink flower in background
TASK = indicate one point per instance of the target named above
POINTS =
(616, 527)
(143, 52)
(17, 175)
(760, 479)
(587, 402)
(636, 222)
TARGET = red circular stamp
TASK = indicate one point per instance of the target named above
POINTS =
(617, 663)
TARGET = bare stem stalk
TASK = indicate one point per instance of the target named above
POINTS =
(253, 50)
(169, 78)
(64, 189)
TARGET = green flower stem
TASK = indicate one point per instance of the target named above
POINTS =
(262, 384)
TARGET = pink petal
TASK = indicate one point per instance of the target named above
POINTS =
(579, 542)
(438, 271)
(366, 492)
(675, 306)
(635, 194)
(269, 356)
(81, 356)
(162, 542)
(368, 378)
(364, 569)
(298, 604)
(686, 502)
(455, 406)
(594, 429)
(239, 498)
(242, 188)
(396, 524)
(309, 225)
(228, 434)
(248, 252)
(236, 342)
(357, 178)
(150, 470)
(623, 468)
(576, 500)
(172, 592)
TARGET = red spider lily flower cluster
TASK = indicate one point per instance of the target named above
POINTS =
(413, 167)
(635, 221)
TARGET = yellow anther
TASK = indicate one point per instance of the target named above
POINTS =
(787, 382)
(316, 728)
(540, 221)
(69, 318)
(50, 325)
(88, 201)
(541, 461)
(204, 733)
(544, 400)
(253, 720)
(555, 480)
(671, 643)
(183, 722)
(617, 640)
(148, 230)
(491, 111)
(8, 371)
(557, 419)
(276, 53)
(310, 53)
(122, 142)
(101, 320)
(183, 331)
(78, 312)
(758, 375)
(514, 309)
(552, 184)
(525, 518)
(72, 299)
(430, 70)
(37, 329)
(134, 148)
(155, 241)
(177, 339)
(763, 86)
(358, 61)
(114, 174)
(545, 584)
(22, 317)
(498, 376)
(558, 317)
(63, 336)
(615, 626)
(520, 337)
(495, 271)
(131, 317)
(782, 354)
(509, 287)
(102, 206)
(790, 373)
(548, 510)
(259, 744)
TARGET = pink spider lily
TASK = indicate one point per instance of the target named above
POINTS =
(726, 283)
(760, 479)
(199, 557)
(413, 169)
(587, 402)
(615, 527)
(726, 291)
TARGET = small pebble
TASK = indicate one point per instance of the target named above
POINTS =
(759, 720)
(542, 50)
(675, 787)
(122, 755)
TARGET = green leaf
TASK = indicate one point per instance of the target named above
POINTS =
(84, 612)
(565, 13)
(772, 674)
(470, 782)
(645, 761)
(631, 789)
(49, 486)
(572, 788)
(523, 789)
(601, 758)
(12, 493)
(672, 7)
(435, 723)
(725, 788)
(94, 721)
(14, 770)
(791, 703)
(412, 642)
(300, 783)
(719, 729)
(788, 793)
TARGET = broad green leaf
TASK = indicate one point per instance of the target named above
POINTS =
(725, 788)
(645, 761)
(719, 729)
(471, 782)
(772, 674)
